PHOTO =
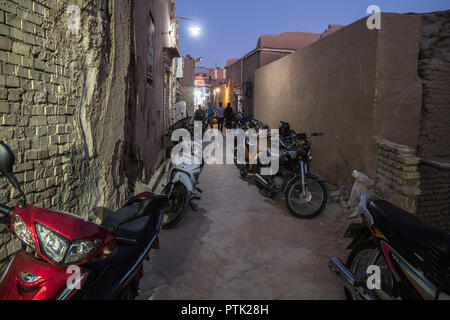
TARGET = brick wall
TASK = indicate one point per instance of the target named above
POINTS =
(434, 139)
(397, 178)
(434, 71)
(37, 109)
(67, 99)
(434, 202)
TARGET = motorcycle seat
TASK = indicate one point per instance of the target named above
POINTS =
(136, 230)
(407, 230)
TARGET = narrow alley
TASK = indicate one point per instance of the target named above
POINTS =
(240, 245)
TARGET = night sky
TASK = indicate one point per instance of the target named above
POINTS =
(231, 28)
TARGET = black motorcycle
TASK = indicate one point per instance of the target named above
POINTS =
(305, 192)
(395, 255)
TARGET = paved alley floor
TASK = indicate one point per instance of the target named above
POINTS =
(240, 245)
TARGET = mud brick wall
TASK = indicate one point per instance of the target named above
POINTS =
(397, 178)
(434, 71)
(68, 106)
(37, 110)
(434, 139)
(434, 202)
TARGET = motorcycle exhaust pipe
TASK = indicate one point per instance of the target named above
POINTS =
(261, 179)
(264, 182)
(348, 279)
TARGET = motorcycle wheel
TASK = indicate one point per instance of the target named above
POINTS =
(314, 188)
(358, 262)
(176, 206)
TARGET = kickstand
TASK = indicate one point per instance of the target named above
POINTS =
(193, 206)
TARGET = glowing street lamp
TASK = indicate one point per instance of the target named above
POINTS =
(195, 29)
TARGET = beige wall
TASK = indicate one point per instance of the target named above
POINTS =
(331, 86)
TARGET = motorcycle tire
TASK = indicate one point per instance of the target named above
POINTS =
(353, 262)
(177, 206)
(316, 212)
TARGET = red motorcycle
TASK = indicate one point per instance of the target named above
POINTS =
(66, 257)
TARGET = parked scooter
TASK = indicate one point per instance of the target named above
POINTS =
(66, 257)
(182, 180)
(181, 189)
(412, 257)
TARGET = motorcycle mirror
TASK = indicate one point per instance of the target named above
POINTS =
(7, 160)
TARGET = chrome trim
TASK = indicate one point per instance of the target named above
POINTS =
(66, 292)
(29, 277)
(348, 279)
(261, 179)
(365, 198)
(302, 168)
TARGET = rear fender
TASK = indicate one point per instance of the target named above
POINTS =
(359, 232)
(138, 198)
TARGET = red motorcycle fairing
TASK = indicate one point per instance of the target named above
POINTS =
(52, 281)
(69, 226)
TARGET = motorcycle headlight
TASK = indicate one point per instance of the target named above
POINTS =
(79, 250)
(22, 232)
(52, 244)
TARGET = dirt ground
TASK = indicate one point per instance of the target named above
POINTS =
(241, 245)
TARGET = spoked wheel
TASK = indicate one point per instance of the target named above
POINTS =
(362, 256)
(175, 207)
(306, 205)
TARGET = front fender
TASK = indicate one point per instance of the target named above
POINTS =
(312, 176)
(315, 176)
(183, 178)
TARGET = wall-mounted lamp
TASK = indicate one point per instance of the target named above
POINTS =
(195, 29)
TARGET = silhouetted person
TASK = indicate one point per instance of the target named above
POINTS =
(199, 114)
(211, 113)
(228, 115)
(220, 116)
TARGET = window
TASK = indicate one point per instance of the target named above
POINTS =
(151, 50)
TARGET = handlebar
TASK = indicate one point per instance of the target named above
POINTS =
(315, 134)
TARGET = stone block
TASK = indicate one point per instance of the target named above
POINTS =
(38, 121)
(14, 95)
(9, 120)
(5, 43)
